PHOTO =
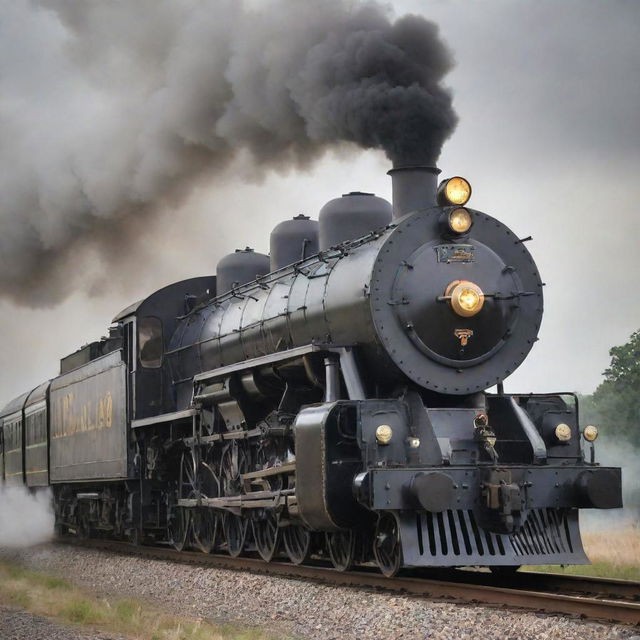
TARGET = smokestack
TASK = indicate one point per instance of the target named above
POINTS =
(413, 188)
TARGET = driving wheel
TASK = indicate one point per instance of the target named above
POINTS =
(387, 549)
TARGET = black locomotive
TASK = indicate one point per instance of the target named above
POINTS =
(328, 400)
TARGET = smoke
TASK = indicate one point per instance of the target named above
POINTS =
(617, 454)
(25, 519)
(111, 112)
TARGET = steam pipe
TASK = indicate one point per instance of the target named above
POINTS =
(413, 188)
(332, 384)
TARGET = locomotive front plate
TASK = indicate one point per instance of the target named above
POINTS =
(455, 253)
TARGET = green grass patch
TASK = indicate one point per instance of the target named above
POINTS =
(51, 582)
(20, 598)
(127, 610)
(82, 611)
(14, 571)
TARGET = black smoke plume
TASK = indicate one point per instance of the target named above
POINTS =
(111, 110)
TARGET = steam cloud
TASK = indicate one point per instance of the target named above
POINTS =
(110, 111)
(615, 454)
(25, 519)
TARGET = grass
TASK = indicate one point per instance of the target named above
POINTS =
(50, 596)
(83, 612)
(613, 554)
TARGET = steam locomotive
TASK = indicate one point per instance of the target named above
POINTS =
(329, 400)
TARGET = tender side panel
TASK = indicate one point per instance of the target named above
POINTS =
(88, 422)
(13, 460)
(36, 448)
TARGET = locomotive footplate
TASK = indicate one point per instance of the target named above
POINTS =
(509, 515)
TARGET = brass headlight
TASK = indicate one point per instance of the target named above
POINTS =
(590, 433)
(466, 298)
(563, 432)
(454, 191)
(383, 434)
(460, 220)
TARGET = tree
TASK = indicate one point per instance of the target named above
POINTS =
(615, 404)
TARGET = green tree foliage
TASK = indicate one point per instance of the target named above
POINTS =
(615, 404)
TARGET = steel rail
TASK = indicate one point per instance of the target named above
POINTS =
(540, 581)
(604, 599)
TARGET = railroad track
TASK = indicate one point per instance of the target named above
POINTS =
(599, 599)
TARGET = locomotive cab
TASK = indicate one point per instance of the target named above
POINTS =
(146, 328)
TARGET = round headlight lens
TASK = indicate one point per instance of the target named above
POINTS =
(383, 434)
(590, 433)
(466, 298)
(563, 432)
(454, 191)
(459, 220)
(469, 299)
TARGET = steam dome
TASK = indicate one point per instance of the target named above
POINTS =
(240, 267)
(353, 215)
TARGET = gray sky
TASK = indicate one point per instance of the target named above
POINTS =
(548, 96)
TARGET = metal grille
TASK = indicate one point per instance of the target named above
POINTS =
(454, 537)
(546, 532)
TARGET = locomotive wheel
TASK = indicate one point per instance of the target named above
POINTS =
(297, 543)
(267, 535)
(233, 464)
(205, 529)
(342, 548)
(235, 533)
(387, 549)
(188, 476)
(207, 482)
(178, 528)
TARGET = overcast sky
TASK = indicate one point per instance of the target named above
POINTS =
(548, 96)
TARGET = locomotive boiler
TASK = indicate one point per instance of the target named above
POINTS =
(330, 400)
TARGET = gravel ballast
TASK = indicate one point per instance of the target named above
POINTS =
(295, 608)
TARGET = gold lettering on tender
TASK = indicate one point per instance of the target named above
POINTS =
(109, 411)
(101, 420)
(88, 417)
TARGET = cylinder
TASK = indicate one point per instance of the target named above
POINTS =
(292, 241)
(240, 267)
(413, 188)
(351, 216)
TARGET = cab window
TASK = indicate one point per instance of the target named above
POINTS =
(150, 342)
